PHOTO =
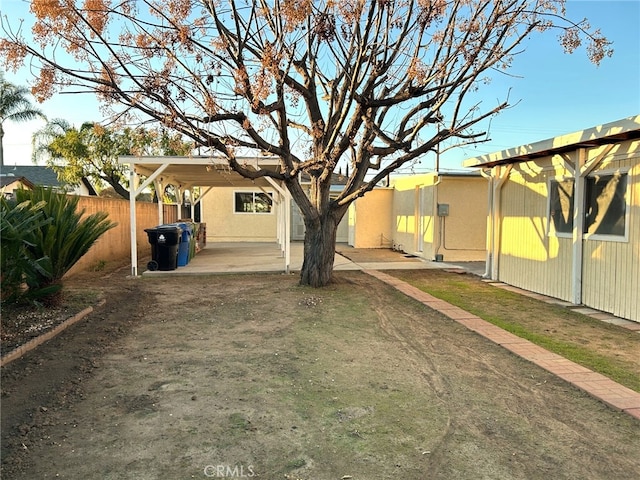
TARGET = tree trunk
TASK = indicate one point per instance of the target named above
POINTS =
(117, 187)
(319, 251)
(1, 147)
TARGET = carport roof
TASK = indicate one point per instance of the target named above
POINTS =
(625, 129)
(200, 171)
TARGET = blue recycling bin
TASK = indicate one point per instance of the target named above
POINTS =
(184, 249)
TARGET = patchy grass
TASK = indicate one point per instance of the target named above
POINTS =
(607, 349)
(254, 375)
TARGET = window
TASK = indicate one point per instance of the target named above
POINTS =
(605, 204)
(561, 206)
(605, 207)
(253, 202)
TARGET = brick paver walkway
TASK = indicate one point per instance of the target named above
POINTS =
(595, 384)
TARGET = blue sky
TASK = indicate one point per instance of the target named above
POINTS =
(556, 93)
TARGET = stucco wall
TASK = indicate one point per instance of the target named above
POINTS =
(225, 225)
(406, 214)
(370, 219)
(418, 229)
(463, 232)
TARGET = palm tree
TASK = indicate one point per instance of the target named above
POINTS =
(14, 106)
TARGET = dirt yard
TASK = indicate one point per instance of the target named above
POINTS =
(253, 376)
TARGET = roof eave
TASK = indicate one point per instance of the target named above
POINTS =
(625, 129)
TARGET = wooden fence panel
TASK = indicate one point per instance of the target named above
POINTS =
(115, 245)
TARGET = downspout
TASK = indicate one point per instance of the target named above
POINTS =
(434, 213)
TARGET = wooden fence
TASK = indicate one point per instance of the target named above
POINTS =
(115, 245)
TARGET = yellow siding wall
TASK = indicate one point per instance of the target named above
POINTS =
(370, 219)
(611, 275)
(531, 259)
(224, 225)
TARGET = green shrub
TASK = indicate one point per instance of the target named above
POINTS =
(62, 237)
(20, 270)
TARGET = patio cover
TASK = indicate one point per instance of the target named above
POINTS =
(610, 133)
(206, 172)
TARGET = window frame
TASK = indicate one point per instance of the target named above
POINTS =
(253, 194)
(551, 226)
(627, 202)
(551, 230)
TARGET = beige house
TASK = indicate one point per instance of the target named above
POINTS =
(436, 217)
(251, 215)
(432, 216)
(9, 185)
(240, 215)
(564, 218)
(439, 217)
(18, 176)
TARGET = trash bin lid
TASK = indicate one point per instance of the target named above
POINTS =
(169, 227)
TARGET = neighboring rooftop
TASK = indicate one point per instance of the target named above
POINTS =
(36, 174)
(8, 180)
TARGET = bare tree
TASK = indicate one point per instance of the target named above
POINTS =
(372, 84)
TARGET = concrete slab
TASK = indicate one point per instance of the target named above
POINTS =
(262, 257)
(241, 257)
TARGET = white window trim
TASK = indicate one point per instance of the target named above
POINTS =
(551, 231)
(627, 211)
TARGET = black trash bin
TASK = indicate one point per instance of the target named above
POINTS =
(164, 240)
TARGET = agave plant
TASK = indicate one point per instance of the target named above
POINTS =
(21, 272)
(66, 235)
